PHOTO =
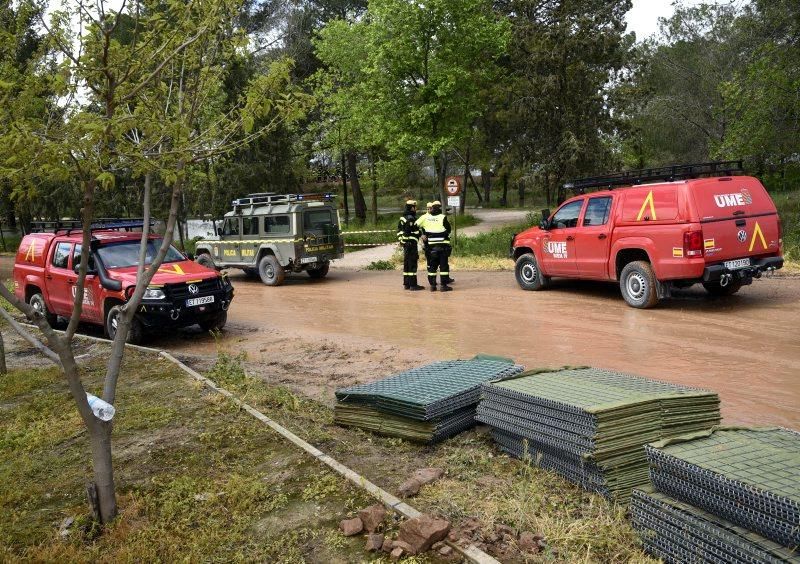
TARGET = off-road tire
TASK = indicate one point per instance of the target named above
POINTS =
(320, 272)
(215, 323)
(205, 259)
(37, 302)
(716, 289)
(136, 332)
(271, 271)
(638, 285)
(529, 275)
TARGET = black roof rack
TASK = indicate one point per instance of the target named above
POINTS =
(100, 224)
(659, 174)
(272, 198)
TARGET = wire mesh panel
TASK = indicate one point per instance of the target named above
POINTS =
(678, 532)
(591, 420)
(426, 404)
(748, 476)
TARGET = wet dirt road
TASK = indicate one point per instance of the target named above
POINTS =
(746, 347)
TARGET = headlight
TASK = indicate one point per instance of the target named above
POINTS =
(153, 294)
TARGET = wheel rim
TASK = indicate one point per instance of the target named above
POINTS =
(528, 272)
(37, 305)
(636, 286)
(269, 272)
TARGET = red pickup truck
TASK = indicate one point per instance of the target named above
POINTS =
(182, 292)
(720, 231)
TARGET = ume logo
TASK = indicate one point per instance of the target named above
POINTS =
(732, 200)
(557, 248)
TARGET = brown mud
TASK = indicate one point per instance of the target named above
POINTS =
(316, 336)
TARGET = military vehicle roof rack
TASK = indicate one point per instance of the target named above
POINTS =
(658, 174)
(272, 198)
(100, 224)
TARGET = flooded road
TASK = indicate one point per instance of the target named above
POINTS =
(746, 347)
(361, 325)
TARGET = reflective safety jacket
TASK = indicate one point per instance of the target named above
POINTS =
(436, 228)
(407, 229)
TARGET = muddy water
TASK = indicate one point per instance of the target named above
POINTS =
(746, 347)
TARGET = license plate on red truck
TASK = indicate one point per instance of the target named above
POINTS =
(200, 301)
(736, 264)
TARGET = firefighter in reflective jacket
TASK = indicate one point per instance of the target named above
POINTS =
(436, 233)
(408, 235)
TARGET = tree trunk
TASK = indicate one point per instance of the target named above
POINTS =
(344, 190)
(374, 189)
(464, 183)
(3, 369)
(504, 198)
(440, 164)
(100, 439)
(359, 204)
(486, 182)
(521, 188)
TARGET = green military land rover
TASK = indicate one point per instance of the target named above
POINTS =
(272, 234)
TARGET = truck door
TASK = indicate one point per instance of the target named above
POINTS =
(231, 240)
(593, 237)
(250, 238)
(60, 280)
(558, 243)
(92, 296)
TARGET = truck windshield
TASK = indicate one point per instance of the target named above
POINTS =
(317, 219)
(121, 255)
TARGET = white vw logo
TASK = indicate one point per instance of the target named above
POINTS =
(193, 289)
(742, 235)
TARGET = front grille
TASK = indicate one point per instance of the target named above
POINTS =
(181, 291)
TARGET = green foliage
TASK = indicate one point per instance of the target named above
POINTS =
(494, 243)
(380, 265)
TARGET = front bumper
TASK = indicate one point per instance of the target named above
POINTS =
(715, 272)
(157, 314)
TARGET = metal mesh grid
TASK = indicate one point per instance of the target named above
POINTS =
(594, 416)
(748, 476)
(676, 532)
(430, 431)
(429, 391)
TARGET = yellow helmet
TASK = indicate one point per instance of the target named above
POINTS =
(411, 202)
(429, 205)
(436, 203)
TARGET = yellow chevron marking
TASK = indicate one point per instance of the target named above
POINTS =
(757, 232)
(647, 200)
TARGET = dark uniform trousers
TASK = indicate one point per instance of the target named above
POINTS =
(438, 259)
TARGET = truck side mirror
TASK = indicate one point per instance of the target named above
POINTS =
(219, 231)
(545, 223)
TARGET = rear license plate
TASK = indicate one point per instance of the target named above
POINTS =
(306, 260)
(735, 264)
(200, 301)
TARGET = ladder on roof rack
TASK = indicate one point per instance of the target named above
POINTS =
(100, 224)
(658, 174)
(272, 198)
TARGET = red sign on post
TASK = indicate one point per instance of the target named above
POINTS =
(452, 185)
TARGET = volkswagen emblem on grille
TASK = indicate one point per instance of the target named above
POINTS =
(742, 235)
(193, 289)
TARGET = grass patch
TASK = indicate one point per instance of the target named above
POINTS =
(381, 265)
(494, 243)
(788, 204)
(197, 478)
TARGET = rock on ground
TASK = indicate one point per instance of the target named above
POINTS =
(372, 517)
(418, 479)
(421, 532)
(374, 542)
(351, 527)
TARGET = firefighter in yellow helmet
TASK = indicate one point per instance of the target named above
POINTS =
(408, 235)
(436, 233)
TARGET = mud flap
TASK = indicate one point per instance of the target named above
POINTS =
(663, 289)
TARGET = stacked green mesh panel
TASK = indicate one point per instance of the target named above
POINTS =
(425, 404)
(678, 532)
(589, 421)
(750, 477)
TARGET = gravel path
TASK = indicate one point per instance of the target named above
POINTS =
(489, 219)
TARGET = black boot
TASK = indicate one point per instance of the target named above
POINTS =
(433, 287)
(412, 284)
(446, 288)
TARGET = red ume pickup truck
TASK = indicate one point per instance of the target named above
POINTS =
(182, 292)
(709, 227)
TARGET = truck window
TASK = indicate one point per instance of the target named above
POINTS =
(317, 219)
(61, 255)
(249, 226)
(597, 211)
(123, 255)
(76, 257)
(231, 226)
(277, 224)
(567, 216)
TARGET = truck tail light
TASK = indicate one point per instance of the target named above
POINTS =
(780, 231)
(693, 244)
